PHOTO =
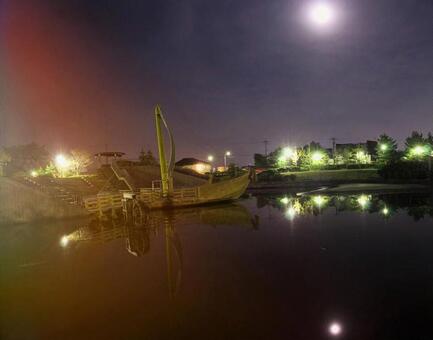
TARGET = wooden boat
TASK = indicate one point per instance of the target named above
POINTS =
(162, 194)
(167, 196)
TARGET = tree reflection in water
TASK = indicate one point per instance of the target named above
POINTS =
(417, 206)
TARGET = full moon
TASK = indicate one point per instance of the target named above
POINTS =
(335, 328)
(321, 14)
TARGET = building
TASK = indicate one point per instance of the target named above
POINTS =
(194, 164)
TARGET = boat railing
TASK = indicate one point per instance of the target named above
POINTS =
(103, 202)
(148, 195)
(184, 195)
(156, 184)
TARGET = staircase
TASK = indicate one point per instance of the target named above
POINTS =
(53, 190)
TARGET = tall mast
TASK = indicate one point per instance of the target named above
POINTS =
(166, 171)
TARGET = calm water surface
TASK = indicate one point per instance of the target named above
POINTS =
(268, 267)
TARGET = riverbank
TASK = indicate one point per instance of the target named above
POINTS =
(310, 180)
(20, 203)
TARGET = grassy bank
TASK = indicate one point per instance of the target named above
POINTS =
(344, 175)
(307, 179)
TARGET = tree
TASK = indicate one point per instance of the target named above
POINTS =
(386, 149)
(24, 158)
(147, 158)
(80, 160)
(272, 158)
(417, 147)
(261, 160)
(5, 157)
(416, 138)
(313, 156)
(429, 140)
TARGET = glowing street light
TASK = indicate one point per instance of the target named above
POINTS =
(288, 152)
(419, 150)
(62, 162)
(210, 158)
(227, 154)
(64, 241)
(385, 211)
(317, 156)
(34, 173)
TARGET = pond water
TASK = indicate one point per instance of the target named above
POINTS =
(267, 267)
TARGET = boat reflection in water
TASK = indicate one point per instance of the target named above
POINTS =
(417, 206)
(138, 237)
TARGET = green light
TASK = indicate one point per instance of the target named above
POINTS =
(418, 150)
(284, 200)
(318, 200)
(360, 155)
(288, 152)
(363, 201)
(317, 156)
(383, 147)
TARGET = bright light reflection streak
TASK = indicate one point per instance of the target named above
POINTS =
(335, 328)
(318, 200)
(363, 201)
(291, 213)
(64, 241)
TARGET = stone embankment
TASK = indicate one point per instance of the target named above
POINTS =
(21, 203)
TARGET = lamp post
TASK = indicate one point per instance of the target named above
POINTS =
(210, 160)
(227, 154)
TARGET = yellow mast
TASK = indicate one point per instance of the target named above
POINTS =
(166, 171)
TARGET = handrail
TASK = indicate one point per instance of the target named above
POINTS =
(122, 175)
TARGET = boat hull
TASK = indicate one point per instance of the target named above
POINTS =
(205, 194)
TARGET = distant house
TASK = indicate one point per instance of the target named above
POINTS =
(194, 164)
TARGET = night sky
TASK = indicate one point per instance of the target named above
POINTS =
(228, 74)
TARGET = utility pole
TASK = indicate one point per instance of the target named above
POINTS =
(266, 147)
(334, 148)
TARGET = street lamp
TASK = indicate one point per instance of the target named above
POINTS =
(210, 159)
(419, 150)
(62, 162)
(383, 147)
(227, 154)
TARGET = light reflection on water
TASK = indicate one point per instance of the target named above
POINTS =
(272, 266)
(416, 205)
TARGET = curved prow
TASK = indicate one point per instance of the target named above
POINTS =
(166, 169)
